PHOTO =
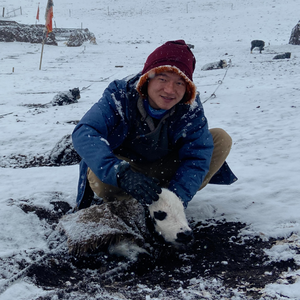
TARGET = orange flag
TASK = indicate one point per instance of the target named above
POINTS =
(38, 13)
(49, 16)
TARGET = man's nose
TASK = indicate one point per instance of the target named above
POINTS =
(169, 87)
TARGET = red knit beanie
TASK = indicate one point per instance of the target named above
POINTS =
(174, 56)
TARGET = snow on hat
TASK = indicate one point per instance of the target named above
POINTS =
(174, 56)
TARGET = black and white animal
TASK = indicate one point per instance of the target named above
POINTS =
(283, 56)
(120, 227)
(169, 219)
(221, 64)
(170, 222)
(257, 44)
(66, 98)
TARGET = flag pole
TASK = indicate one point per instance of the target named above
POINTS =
(42, 51)
(48, 26)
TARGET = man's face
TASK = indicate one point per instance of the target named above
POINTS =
(165, 90)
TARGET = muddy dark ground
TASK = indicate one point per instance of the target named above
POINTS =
(219, 252)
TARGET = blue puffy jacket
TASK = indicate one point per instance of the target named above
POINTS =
(106, 125)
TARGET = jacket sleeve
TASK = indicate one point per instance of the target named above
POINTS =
(196, 147)
(93, 138)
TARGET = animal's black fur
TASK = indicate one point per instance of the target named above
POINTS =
(160, 215)
(257, 43)
(283, 56)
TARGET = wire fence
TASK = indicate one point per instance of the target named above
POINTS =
(12, 13)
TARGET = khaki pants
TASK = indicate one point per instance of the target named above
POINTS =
(165, 168)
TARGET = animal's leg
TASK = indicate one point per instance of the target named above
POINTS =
(127, 249)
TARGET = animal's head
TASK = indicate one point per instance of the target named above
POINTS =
(75, 93)
(222, 63)
(169, 219)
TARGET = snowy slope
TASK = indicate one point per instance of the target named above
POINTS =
(257, 103)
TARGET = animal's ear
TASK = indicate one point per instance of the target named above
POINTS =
(160, 215)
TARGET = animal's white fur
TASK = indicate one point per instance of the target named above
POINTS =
(175, 222)
(127, 249)
(221, 64)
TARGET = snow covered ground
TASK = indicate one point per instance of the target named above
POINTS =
(257, 103)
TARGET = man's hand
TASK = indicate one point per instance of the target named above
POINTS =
(141, 187)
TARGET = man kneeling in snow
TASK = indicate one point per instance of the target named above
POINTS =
(149, 131)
